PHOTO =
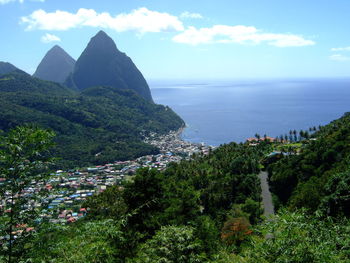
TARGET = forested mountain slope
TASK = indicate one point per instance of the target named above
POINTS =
(97, 125)
(6, 68)
(318, 177)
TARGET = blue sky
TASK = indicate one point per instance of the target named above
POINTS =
(197, 39)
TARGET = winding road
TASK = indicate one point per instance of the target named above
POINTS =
(266, 195)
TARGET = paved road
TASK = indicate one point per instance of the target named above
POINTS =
(266, 195)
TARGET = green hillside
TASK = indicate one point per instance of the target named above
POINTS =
(318, 177)
(98, 125)
(6, 68)
(208, 210)
(164, 216)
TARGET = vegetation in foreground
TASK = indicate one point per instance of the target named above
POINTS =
(208, 210)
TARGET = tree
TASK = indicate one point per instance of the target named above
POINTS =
(296, 237)
(146, 188)
(257, 136)
(337, 195)
(235, 231)
(306, 135)
(172, 244)
(110, 204)
(23, 160)
(281, 138)
(100, 241)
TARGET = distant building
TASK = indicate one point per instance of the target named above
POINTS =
(266, 138)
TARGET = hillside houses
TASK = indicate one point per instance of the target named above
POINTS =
(66, 191)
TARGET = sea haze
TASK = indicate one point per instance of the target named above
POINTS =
(218, 112)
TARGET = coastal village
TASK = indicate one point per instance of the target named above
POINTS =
(67, 190)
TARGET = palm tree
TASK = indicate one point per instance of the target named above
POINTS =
(257, 136)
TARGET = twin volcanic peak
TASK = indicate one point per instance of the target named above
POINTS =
(102, 64)
(103, 119)
(56, 65)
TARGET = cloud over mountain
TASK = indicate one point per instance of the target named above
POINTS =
(48, 38)
(141, 20)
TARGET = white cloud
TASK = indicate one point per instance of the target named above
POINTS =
(187, 14)
(339, 57)
(340, 49)
(141, 20)
(48, 38)
(238, 34)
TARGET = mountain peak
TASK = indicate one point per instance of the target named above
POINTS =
(101, 36)
(101, 33)
(102, 41)
(102, 64)
(57, 47)
(56, 65)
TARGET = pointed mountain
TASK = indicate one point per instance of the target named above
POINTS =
(102, 64)
(6, 68)
(56, 65)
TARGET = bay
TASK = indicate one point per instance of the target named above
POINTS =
(221, 111)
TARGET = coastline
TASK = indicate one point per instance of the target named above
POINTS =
(172, 143)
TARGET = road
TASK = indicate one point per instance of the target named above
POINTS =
(266, 195)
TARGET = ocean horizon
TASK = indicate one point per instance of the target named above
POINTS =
(222, 111)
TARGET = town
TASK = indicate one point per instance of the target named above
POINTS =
(67, 190)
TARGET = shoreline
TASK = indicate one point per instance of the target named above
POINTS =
(181, 130)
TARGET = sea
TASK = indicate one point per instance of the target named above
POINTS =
(221, 111)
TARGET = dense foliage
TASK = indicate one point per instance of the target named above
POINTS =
(98, 125)
(295, 237)
(318, 177)
(173, 216)
(208, 209)
(23, 159)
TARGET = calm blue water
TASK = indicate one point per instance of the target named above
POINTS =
(219, 112)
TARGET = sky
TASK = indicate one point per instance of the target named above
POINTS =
(188, 39)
